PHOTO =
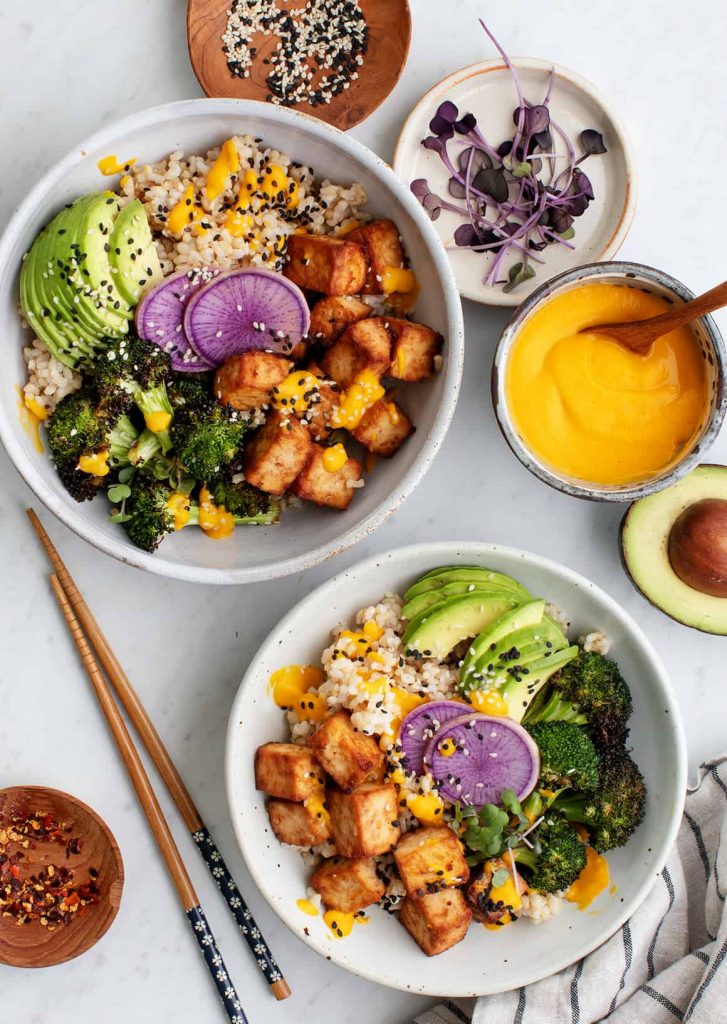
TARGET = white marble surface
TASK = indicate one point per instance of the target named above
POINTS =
(66, 70)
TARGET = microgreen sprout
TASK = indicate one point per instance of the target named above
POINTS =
(514, 198)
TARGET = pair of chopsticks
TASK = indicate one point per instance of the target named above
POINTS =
(88, 638)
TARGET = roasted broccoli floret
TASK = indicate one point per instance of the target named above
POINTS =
(567, 756)
(146, 447)
(188, 389)
(133, 371)
(245, 502)
(595, 686)
(557, 857)
(81, 486)
(613, 811)
(206, 438)
(150, 518)
(74, 428)
(120, 439)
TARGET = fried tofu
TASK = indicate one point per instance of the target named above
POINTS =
(381, 242)
(277, 454)
(319, 263)
(414, 349)
(295, 824)
(346, 754)
(364, 823)
(429, 859)
(247, 380)
(365, 345)
(330, 317)
(383, 428)
(438, 921)
(348, 884)
(288, 771)
(330, 488)
(319, 415)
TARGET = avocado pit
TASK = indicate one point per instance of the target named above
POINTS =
(698, 546)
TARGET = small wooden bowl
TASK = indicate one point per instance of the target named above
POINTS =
(32, 944)
(389, 23)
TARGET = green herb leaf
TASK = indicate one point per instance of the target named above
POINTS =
(517, 274)
(567, 235)
(509, 800)
(119, 517)
(126, 474)
(185, 485)
(500, 877)
(118, 492)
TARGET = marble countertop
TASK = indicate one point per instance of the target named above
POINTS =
(69, 68)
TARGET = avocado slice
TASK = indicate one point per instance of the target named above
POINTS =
(37, 312)
(525, 617)
(449, 574)
(520, 692)
(645, 532)
(436, 631)
(429, 598)
(133, 256)
(94, 269)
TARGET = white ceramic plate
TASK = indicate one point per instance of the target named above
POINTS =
(485, 962)
(486, 90)
(307, 535)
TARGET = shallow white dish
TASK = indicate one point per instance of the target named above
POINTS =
(306, 535)
(485, 962)
(486, 89)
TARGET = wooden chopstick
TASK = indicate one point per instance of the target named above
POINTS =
(157, 822)
(165, 766)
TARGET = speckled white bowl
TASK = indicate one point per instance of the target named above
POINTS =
(485, 962)
(306, 535)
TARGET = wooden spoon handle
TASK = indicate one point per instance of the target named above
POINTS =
(715, 298)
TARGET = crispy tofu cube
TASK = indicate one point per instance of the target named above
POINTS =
(383, 248)
(330, 317)
(364, 823)
(348, 885)
(429, 859)
(246, 381)
(414, 349)
(383, 428)
(319, 416)
(331, 488)
(296, 825)
(288, 771)
(277, 453)
(365, 345)
(345, 753)
(319, 263)
(438, 921)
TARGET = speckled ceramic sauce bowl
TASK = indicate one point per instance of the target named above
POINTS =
(711, 346)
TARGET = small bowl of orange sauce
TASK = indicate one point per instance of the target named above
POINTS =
(586, 415)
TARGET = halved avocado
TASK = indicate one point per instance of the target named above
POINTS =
(133, 256)
(448, 574)
(654, 534)
(436, 631)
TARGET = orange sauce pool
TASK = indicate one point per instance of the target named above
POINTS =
(589, 408)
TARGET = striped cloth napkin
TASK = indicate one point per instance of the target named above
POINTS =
(668, 963)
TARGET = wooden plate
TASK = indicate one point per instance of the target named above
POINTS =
(389, 23)
(32, 944)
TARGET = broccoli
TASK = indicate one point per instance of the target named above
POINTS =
(79, 427)
(558, 855)
(188, 389)
(245, 502)
(568, 758)
(133, 371)
(589, 690)
(549, 706)
(206, 438)
(146, 448)
(613, 811)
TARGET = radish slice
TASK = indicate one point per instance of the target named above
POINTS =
(246, 309)
(160, 315)
(420, 725)
(490, 754)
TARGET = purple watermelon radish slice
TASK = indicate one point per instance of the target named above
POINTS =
(160, 315)
(246, 309)
(420, 725)
(490, 754)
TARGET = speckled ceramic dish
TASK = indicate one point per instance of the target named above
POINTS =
(486, 89)
(484, 962)
(632, 275)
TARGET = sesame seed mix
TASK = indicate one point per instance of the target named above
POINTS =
(320, 47)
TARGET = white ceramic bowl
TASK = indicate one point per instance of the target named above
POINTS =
(485, 962)
(307, 535)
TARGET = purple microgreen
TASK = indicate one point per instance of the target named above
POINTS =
(592, 143)
(492, 181)
(456, 188)
(441, 123)
(474, 159)
(518, 273)
(433, 205)
(420, 188)
(466, 124)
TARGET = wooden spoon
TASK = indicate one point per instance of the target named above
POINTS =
(640, 335)
(33, 944)
(389, 23)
